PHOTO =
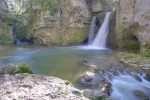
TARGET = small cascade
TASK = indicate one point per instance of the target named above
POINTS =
(100, 40)
(128, 85)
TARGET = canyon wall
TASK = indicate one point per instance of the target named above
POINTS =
(68, 25)
(133, 24)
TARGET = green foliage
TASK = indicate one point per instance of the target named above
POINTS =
(23, 68)
(5, 38)
(20, 31)
(147, 55)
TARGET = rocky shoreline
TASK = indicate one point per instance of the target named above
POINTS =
(18, 82)
(23, 86)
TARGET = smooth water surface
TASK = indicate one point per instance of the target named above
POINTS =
(62, 62)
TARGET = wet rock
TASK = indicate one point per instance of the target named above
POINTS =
(90, 79)
(147, 76)
(89, 64)
(137, 77)
(107, 89)
(141, 95)
(27, 87)
(92, 94)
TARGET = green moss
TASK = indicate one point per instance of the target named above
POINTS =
(101, 17)
(4, 38)
(53, 6)
(100, 98)
(145, 52)
(23, 68)
(133, 45)
(147, 55)
(128, 40)
(69, 36)
(56, 39)
(75, 36)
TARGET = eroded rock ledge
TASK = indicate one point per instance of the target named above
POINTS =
(16, 84)
(33, 87)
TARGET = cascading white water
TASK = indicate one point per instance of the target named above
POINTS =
(100, 40)
(91, 32)
(126, 86)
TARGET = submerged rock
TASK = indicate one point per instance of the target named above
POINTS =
(90, 79)
(141, 95)
(92, 94)
(33, 87)
(135, 76)
(147, 77)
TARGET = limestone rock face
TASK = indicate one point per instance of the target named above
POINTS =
(133, 20)
(68, 25)
(27, 87)
(97, 5)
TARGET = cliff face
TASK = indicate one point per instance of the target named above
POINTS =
(133, 23)
(68, 25)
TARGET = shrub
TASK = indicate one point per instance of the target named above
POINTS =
(23, 68)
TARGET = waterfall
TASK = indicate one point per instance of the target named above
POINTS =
(94, 24)
(101, 37)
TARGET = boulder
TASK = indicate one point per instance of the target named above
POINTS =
(90, 79)
(141, 95)
(34, 87)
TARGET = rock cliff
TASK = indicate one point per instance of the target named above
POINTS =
(66, 26)
(133, 24)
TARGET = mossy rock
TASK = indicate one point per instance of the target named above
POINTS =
(100, 98)
(15, 68)
(133, 46)
(145, 52)
(60, 36)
